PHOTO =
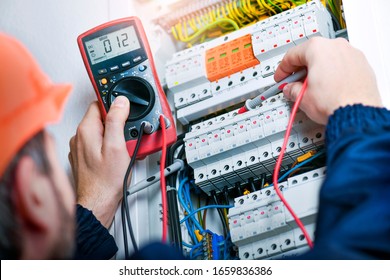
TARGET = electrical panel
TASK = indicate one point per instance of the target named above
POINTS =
(236, 153)
(228, 70)
(227, 205)
(261, 226)
(235, 147)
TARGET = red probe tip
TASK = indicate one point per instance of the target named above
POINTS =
(242, 110)
(281, 87)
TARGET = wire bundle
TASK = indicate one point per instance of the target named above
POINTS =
(226, 16)
(125, 212)
(335, 7)
(195, 228)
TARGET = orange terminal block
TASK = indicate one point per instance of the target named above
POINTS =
(230, 58)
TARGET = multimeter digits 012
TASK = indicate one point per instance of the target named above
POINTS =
(118, 60)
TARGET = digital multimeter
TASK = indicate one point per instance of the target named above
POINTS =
(119, 62)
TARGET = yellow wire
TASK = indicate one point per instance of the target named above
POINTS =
(250, 8)
(191, 22)
(228, 13)
(246, 9)
(260, 4)
(174, 33)
(234, 12)
(211, 16)
(204, 19)
(255, 10)
(199, 21)
(231, 13)
(255, 7)
(211, 25)
(218, 12)
(179, 31)
(268, 7)
(237, 11)
(283, 4)
(185, 29)
(223, 12)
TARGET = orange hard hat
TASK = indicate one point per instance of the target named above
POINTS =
(29, 100)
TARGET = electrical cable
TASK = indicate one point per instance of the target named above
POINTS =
(184, 205)
(181, 153)
(173, 211)
(125, 206)
(204, 217)
(205, 212)
(162, 180)
(187, 245)
(207, 27)
(170, 159)
(174, 219)
(276, 6)
(296, 167)
(200, 214)
(279, 163)
(189, 215)
(221, 214)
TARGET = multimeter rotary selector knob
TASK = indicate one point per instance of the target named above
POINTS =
(138, 91)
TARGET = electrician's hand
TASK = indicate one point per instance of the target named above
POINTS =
(338, 75)
(99, 159)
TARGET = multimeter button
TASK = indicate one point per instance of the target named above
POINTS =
(104, 81)
(125, 64)
(142, 68)
(114, 68)
(138, 58)
(102, 71)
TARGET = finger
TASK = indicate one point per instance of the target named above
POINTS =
(72, 156)
(292, 62)
(114, 125)
(72, 143)
(292, 90)
(73, 168)
(91, 128)
(70, 159)
(296, 58)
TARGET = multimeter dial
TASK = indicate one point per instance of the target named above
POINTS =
(138, 91)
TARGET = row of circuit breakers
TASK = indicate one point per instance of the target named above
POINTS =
(230, 148)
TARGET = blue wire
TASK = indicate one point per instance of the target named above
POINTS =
(197, 255)
(299, 166)
(197, 246)
(188, 196)
(187, 245)
(191, 233)
(190, 214)
(225, 246)
(183, 204)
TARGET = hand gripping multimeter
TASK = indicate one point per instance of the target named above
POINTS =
(119, 62)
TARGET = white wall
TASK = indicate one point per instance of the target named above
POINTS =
(368, 26)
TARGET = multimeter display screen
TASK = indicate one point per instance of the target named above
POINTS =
(112, 44)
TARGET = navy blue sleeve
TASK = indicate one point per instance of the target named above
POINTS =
(354, 211)
(158, 251)
(93, 241)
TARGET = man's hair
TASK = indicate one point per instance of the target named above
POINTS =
(10, 229)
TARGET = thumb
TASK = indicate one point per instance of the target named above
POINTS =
(292, 90)
(115, 123)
